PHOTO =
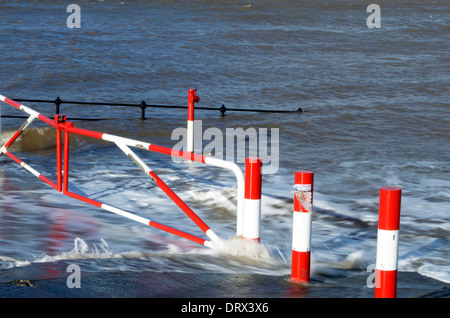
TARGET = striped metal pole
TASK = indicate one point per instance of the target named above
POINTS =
(252, 201)
(301, 233)
(192, 98)
(140, 219)
(59, 119)
(66, 157)
(4, 148)
(387, 242)
(169, 192)
(20, 130)
(28, 168)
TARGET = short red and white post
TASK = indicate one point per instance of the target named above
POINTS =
(387, 242)
(252, 199)
(302, 222)
(192, 98)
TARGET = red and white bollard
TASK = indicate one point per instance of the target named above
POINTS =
(301, 232)
(252, 199)
(387, 242)
(192, 98)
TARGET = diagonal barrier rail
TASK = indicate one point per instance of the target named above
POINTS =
(61, 124)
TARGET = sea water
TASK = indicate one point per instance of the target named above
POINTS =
(376, 113)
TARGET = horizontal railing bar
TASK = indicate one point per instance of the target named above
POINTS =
(70, 118)
(221, 109)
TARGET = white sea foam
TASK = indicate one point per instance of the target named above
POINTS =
(81, 250)
(439, 272)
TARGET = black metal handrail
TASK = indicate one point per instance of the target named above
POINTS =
(143, 106)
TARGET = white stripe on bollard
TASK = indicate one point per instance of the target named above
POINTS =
(252, 201)
(387, 242)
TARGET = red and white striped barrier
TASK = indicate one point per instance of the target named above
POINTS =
(252, 202)
(62, 183)
(387, 242)
(192, 98)
(4, 148)
(202, 225)
(301, 232)
(27, 167)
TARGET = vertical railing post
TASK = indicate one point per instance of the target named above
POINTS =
(387, 242)
(57, 102)
(222, 109)
(66, 157)
(252, 199)
(143, 106)
(301, 232)
(59, 119)
(192, 98)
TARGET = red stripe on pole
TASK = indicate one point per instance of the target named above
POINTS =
(66, 156)
(48, 120)
(177, 232)
(303, 177)
(177, 153)
(191, 100)
(46, 180)
(300, 271)
(183, 206)
(85, 132)
(84, 199)
(12, 103)
(253, 178)
(13, 138)
(58, 154)
(191, 112)
(389, 210)
(13, 157)
(387, 284)
(161, 149)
